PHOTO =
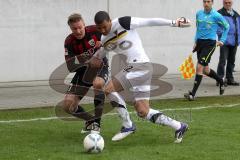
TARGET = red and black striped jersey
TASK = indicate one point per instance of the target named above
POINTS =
(78, 51)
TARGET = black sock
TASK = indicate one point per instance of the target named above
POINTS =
(81, 113)
(78, 111)
(197, 82)
(98, 103)
(213, 74)
(115, 104)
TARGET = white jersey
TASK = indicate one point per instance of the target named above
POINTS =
(124, 39)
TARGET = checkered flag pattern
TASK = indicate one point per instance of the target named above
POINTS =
(187, 68)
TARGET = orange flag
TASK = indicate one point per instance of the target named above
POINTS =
(187, 68)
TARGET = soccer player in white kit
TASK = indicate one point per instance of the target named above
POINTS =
(120, 36)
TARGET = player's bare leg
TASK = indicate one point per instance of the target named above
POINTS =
(144, 111)
(71, 105)
(99, 99)
(111, 91)
(113, 86)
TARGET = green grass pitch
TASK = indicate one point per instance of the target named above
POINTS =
(214, 134)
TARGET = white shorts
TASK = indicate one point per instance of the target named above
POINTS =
(136, 79)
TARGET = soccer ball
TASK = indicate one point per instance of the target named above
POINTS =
(93, 143)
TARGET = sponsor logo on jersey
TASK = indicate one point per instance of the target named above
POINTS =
(91, 42)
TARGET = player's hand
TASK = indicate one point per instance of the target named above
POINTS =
(219, 43)
(95, 62)
(181, 22)
(98, 44)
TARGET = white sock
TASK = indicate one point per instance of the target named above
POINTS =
(115, 97)
(121, 109)
(155, 117)
(125, 117)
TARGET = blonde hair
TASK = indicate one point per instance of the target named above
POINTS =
(75, 17)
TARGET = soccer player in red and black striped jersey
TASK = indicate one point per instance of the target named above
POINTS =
(80, 46)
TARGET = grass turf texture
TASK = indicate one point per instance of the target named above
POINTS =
(214, 134)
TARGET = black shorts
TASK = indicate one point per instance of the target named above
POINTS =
(205, 48)
(84, 77)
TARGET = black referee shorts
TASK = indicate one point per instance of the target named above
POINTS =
(205, 48)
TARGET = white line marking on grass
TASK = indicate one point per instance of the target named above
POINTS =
(28, 120)
(35, 119)
(112, 114)
(183, 109)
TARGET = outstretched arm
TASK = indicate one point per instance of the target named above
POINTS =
(134, 22)
(143, 22)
